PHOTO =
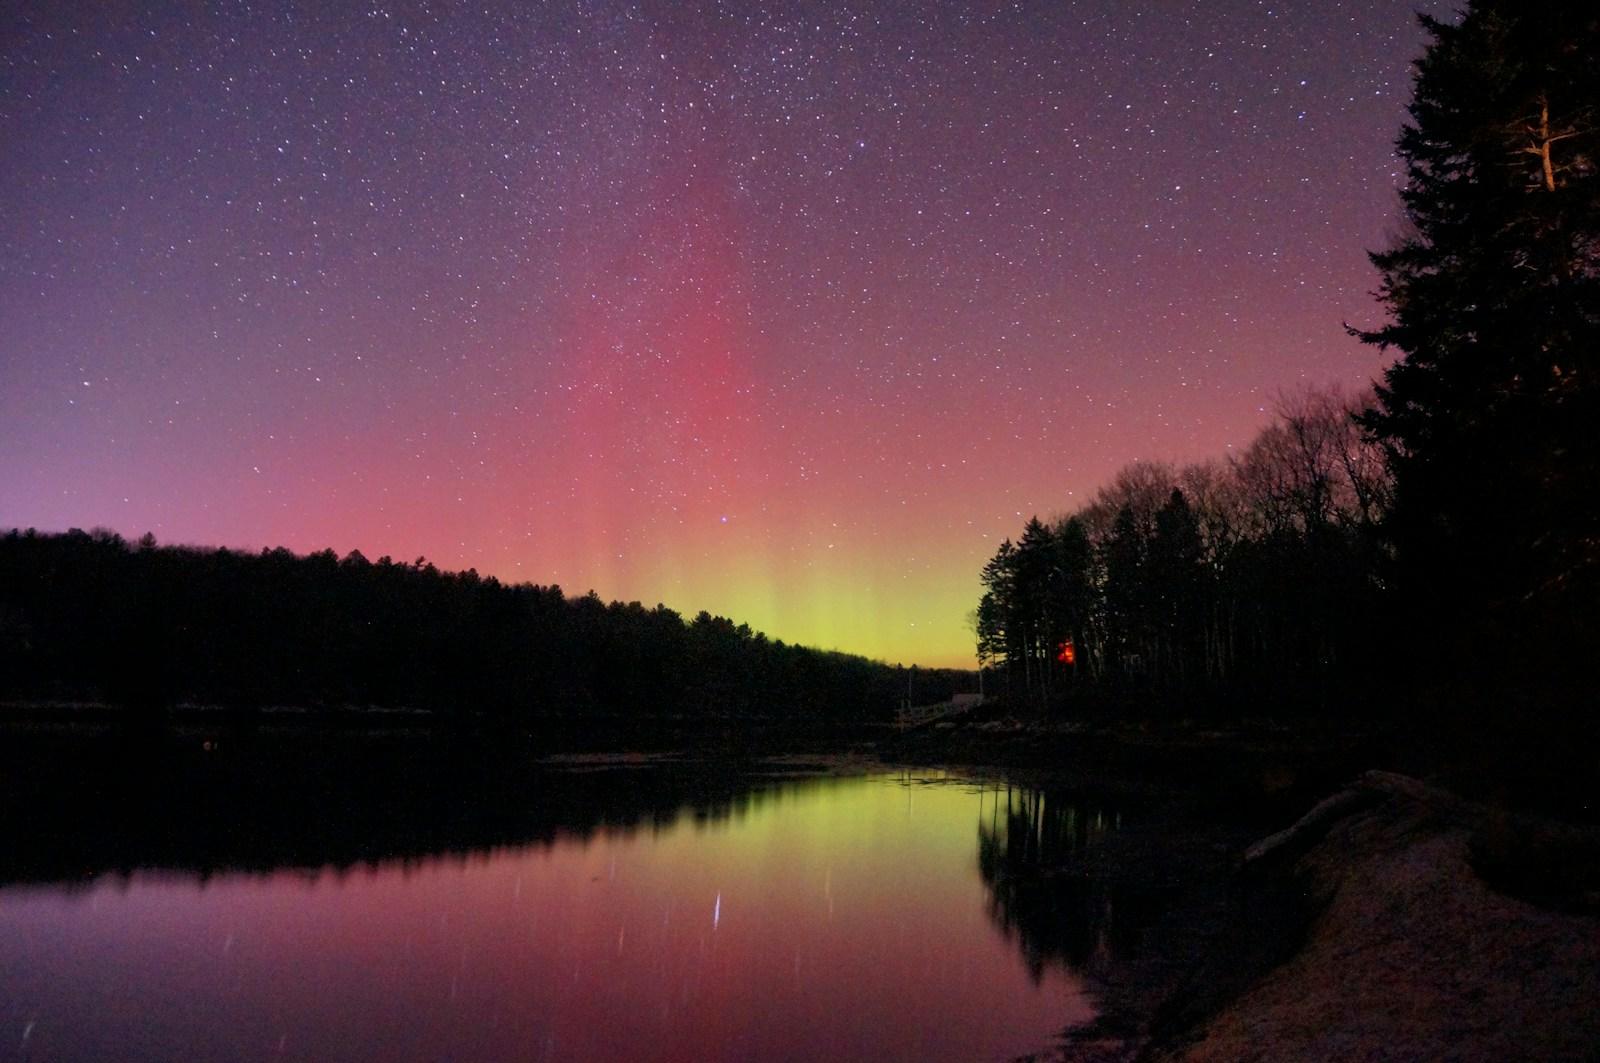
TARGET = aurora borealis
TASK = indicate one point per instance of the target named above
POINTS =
(788, 312)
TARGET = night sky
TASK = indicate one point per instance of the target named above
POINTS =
(788, 312)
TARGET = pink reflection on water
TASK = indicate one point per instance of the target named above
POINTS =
(847, 920)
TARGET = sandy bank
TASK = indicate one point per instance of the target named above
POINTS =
(1405, 951)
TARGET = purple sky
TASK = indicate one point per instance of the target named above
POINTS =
(790, 312)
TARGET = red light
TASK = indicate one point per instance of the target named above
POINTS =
(1068, 653)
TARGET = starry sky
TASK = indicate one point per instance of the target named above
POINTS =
(790, 312)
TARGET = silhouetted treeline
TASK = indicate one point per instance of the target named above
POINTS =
(1440, 537)
(88, 616)
(1254, 576)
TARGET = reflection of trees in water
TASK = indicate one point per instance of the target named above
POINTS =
(71, 811)
(1032, 849)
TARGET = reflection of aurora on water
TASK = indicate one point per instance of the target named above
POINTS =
(447, 909)
(1035, 856)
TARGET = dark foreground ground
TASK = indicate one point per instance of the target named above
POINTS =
(1391, 920)
(1409, 942)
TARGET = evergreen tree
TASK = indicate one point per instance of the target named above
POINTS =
(1072, 594)
(1489, 415)
(1174, 576)
(999, 632)
(1035, 571)
(1126, 594)
(990, 631)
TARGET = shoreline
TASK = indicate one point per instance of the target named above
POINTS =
(1380, 926)
(1320, 909)
(1250, 907)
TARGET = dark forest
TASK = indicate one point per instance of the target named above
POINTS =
(87, 617)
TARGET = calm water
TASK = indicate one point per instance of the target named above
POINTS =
(876, 918)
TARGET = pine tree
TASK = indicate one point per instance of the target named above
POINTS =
(1173, 573)
(1126, 595)
(998, 623)
(1035, 563)
(1072, 594)
(1490, 414)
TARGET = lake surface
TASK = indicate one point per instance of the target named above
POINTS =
(882, 917)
